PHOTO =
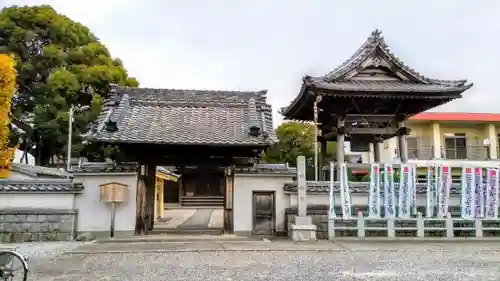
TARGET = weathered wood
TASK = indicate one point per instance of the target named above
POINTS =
(363, 131)
(140, 225)
(229, 197)
(150, 194)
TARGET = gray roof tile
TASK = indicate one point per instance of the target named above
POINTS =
(355, 187)
(386, 86)
(375, 46)
(281, 169)
(167, 116)
(40, 186)
(39, 171)
(397, 78)
(103, 167)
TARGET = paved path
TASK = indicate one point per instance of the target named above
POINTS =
(192, 218)
(200, 219)
(176, 217)
(288, 261)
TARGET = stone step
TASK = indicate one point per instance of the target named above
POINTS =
(213, 201)
(187, 231)
(159, 238)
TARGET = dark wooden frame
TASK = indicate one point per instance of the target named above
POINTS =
(268, 192)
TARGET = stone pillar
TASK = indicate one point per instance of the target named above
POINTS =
(436, 140)
(403, 145)
(377, 151)
(302, 229)
(493, 143)
(340, 144)
(322, 160)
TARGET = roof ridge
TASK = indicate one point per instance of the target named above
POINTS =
(377, 42)
(204, 90)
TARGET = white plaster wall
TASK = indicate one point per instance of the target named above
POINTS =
(37, 201)
(95, 216)
(243, 188)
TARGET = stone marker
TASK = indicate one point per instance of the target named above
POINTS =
(302, 228)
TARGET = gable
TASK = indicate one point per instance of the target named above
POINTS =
(378, 65)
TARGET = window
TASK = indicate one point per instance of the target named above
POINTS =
(412, 147)
(455, 146)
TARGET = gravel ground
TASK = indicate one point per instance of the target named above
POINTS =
(416, 263)
(38, 250)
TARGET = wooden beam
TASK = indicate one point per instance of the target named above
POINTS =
(363, 131)
(377, 118)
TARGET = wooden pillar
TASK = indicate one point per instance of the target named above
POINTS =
(140, 216)
(323, 160)
(150, 181)
(340, 144)
(377, 150)
(228, 202)
(180, 186)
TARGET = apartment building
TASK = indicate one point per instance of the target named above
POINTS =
(449, 136)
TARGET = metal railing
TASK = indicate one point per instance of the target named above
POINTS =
(471, 152)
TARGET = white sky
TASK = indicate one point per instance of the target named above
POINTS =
(271, 44)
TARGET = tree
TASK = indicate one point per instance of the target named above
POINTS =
(294, 139)
(60, 64)
(7, 88)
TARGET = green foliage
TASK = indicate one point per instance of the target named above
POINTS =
(59, 63)
(294, 139)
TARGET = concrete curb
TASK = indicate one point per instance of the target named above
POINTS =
(222, 239)
(168, 240)
(111, 252)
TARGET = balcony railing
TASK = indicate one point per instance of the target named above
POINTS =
(426, 152)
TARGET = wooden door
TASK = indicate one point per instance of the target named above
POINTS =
(264, 213)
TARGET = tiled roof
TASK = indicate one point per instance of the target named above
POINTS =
(456, 116)
(40, 186)
(355, 187)
(385, 86)
(38, 171)
(374, 69)
(376, 48)
(103, 167)
(281, 169)
(167, 116)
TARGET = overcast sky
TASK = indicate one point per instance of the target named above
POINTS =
(272, 44)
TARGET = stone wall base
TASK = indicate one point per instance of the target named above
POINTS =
(31, 225)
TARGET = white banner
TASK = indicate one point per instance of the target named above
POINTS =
(345, 193)
(389, 196)
(374, 198)
(404, 201)
(431, 192)
(479, 192)
(468, 194)
(331, 213)
(413, 188)
(492, 190)
(444, 185)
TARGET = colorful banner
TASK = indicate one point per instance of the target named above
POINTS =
(492, 193)
(331, 213)
(444, 185)
(389, 194)
(345, 193)
(413, 188)
(374, 198)
(468, 194)
(431, 192)
(479, 193)
(405, 179)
